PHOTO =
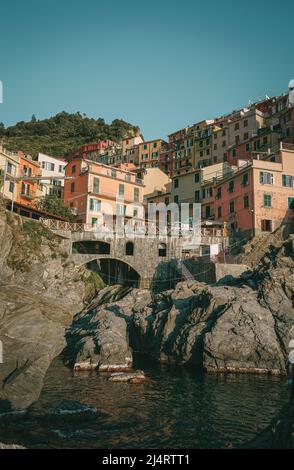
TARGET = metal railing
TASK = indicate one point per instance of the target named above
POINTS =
(58, 225)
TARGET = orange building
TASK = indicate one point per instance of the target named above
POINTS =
(149, 153)
(258, 195)
(28, 191)
(95, 192)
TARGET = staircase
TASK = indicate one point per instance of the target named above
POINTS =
(187, 275)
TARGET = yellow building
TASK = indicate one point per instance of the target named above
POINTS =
(149, 153)
(9, 169)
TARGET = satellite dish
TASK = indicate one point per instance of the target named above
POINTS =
(291, 94)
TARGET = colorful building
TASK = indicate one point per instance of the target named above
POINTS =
(53, 174)
(257, 196)
(95, 192)
(9, 170)
(149, 153)
(28, 188)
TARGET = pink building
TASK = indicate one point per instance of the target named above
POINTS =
(257, 196)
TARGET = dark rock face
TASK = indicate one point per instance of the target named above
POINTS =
(98, 338)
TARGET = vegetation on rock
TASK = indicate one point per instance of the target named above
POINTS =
(63, 133)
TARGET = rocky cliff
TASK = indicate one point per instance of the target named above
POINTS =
(40, 292)
(239, 328)
(242, 327)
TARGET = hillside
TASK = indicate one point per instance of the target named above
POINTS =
(62, 133)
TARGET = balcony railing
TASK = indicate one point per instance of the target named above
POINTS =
(28, 195)
(286, 146)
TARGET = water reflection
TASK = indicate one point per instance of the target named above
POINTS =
(175, 408)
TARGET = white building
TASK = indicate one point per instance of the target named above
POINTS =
(52, 170)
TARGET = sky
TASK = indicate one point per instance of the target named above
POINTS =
(159, 64)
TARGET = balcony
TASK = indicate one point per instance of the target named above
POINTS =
(30, 195)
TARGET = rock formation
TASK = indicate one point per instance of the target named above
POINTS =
(241, 328)
(39, 294)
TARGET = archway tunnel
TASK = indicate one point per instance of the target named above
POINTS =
(114, 271)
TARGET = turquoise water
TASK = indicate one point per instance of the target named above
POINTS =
(175, 408)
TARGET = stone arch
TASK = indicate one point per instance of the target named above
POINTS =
(116, 270)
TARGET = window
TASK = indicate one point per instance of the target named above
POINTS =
(224, 143)
(246, 136)
(60, 169)
(206, 193)
(176, 199)
(245, 122)
(245, 179)
(291, 203)
(136, 194)
(145, 146)
(135, 213)
(72, 188)
(145, 156)
(121, 190)
(219, 193)
(130, 249)
(234, 153)
(11, 169)
(219, 212)
(246, 202)
(266, 178)
(162, 250)
(237, 126)
(288, 181)
(266, 226)
(48, 166)
(155, 145)
(176, 183)
(231, 187)
(74, 169)
(11, 187)
(154, 155)
(247, 147)
(267, 200)
(113, 173)
(223, 133)
(232, 207)
(201, 153)
(208, 152)
(121, 210)
(197, 178)
(95, 205)
(197, 196)
(166, 201)
(94, 220)
(96, 185)
(215, 147)
(207, 212)
(237, 139)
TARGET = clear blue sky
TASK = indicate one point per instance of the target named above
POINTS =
(160, 64)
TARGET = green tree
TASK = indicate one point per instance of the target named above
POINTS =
(55, 206)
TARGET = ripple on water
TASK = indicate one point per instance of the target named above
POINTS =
(175, 408)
